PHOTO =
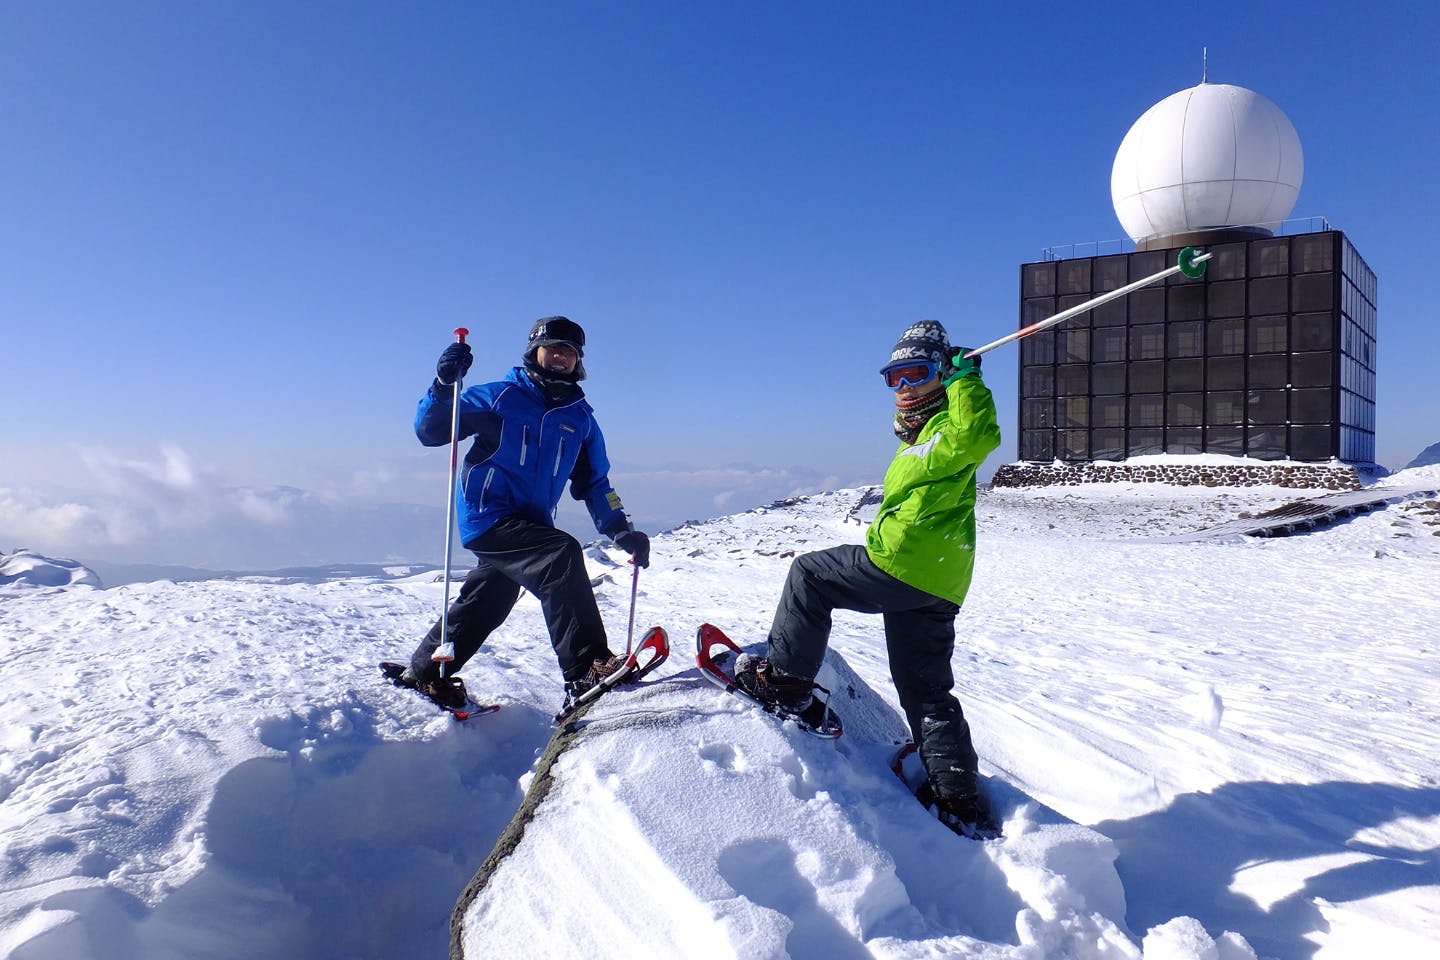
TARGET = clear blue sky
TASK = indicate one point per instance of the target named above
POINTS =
(234, 236)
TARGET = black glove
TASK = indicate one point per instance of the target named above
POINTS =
(453, 363)
(636, 544)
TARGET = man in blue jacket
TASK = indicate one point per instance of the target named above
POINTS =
(534, 433)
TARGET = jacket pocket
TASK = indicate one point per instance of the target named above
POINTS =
(484, 486)
(559, 456)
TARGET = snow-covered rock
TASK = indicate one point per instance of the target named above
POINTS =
(1428, 457)
(26, 568)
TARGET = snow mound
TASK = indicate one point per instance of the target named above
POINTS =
(762, 841)
(26, 568)
(1429, 457)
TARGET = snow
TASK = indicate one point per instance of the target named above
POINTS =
(1429, 457)
(26, 568)
(1214, 749)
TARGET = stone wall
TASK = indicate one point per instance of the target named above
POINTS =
(1307, 476)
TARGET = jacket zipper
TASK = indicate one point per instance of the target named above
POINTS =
(559, 455)
(485, 488)
(524, 442)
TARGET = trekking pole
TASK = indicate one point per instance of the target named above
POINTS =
(1190, 262)
(445, 653)
(634, 588)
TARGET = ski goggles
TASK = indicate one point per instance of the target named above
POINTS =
(558, 330)
(909, 374)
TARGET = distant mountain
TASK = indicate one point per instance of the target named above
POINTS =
(1428, 457)
(119, 574)
(27, 568)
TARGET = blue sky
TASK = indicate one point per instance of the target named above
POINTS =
(235, 236)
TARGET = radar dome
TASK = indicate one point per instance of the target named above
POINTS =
(1209, 157)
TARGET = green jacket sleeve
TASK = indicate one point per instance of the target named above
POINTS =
(971, 431)
(924, 532)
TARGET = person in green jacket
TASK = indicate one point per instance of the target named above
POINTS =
(914, 568)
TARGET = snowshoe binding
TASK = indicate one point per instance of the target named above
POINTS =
(447, 693)
(756, 681)
(618, 669)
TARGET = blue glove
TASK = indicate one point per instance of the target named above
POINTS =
(636, 544)
(453, 363)
(959, 366)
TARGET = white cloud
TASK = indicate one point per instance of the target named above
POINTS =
(27, 521)
(174, 491)
(669, 496)
(171, 508)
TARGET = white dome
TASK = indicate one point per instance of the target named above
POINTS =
(1215, 155)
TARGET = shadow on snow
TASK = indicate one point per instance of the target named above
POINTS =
(1183, 860)
(349, 846)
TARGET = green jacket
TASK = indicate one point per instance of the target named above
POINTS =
(924, 534)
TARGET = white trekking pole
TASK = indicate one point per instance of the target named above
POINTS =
(634, 588)
(445, 653)
(1190, 262)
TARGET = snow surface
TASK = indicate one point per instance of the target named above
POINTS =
(1428, 457)
(1202, 750)
(26, 568)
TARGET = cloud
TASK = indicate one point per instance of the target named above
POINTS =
(27, 520)
(668, 496)
(174, 492)
(171, 509)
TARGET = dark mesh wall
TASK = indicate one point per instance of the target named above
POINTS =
(1270, 355)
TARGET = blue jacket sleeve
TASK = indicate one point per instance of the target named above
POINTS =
(432, 417)
(590, 482)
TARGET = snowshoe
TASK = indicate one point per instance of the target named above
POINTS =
(756, 682)
(605, 675)
(970, 817)
(447, 693)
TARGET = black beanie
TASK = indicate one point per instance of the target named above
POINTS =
(925, 340)
(546, 332)
(551, 330)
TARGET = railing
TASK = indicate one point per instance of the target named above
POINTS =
(1105, 248)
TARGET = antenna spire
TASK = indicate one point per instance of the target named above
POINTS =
(1204, 64)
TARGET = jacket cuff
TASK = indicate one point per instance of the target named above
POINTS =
(616, 527)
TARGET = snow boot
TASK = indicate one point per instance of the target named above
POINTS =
(969, 816)
(599, 670)
(759, 678)
(447, 692)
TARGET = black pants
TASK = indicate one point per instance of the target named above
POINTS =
(550, 563)
(919, 638)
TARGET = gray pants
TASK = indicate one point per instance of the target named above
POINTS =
(919, 638)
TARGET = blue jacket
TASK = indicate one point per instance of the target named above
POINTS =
(524, 453)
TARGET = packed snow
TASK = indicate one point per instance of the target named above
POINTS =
(1217, 749)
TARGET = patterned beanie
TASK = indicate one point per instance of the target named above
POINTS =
(925, 340)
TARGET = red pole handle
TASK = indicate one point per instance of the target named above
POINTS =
(460, 334)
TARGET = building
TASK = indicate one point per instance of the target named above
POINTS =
(1270, 355)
